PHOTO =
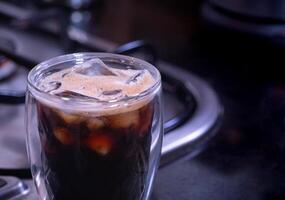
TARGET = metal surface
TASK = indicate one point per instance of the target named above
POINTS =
(175, 93)
(32, 195)
(12, 137)
(13, 189)
(13, 88)
(198, 128)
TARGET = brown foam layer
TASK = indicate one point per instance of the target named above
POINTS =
(106, 85)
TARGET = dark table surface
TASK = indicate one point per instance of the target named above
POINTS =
(246, 158)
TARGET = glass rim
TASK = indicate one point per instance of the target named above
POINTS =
(56, 100)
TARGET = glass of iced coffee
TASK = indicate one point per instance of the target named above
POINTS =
(94, 127)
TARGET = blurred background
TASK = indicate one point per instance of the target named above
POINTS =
(167, 25)
(222, 66)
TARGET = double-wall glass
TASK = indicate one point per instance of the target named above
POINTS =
(80, 148)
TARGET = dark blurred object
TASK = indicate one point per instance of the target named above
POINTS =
(168, 25)
(181, 7)
(266, 11)
(264, 18)
(73, 4)
(12, 82)
(7, 67)
(134, 46)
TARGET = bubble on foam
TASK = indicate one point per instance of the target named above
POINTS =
(112, 92)
(95, 81)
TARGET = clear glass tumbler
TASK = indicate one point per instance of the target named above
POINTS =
(76, 151)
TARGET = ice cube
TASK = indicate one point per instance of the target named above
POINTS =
(94, 67)
(64, 136)
(95, 123)
(51, 86)
(69, 118)
(100, 143)
(124, 120)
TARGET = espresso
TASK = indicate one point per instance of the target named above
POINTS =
(96, 152)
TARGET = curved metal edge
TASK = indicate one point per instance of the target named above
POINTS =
(207, 115)
(14, 188)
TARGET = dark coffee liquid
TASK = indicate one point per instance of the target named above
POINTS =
(95, 158)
